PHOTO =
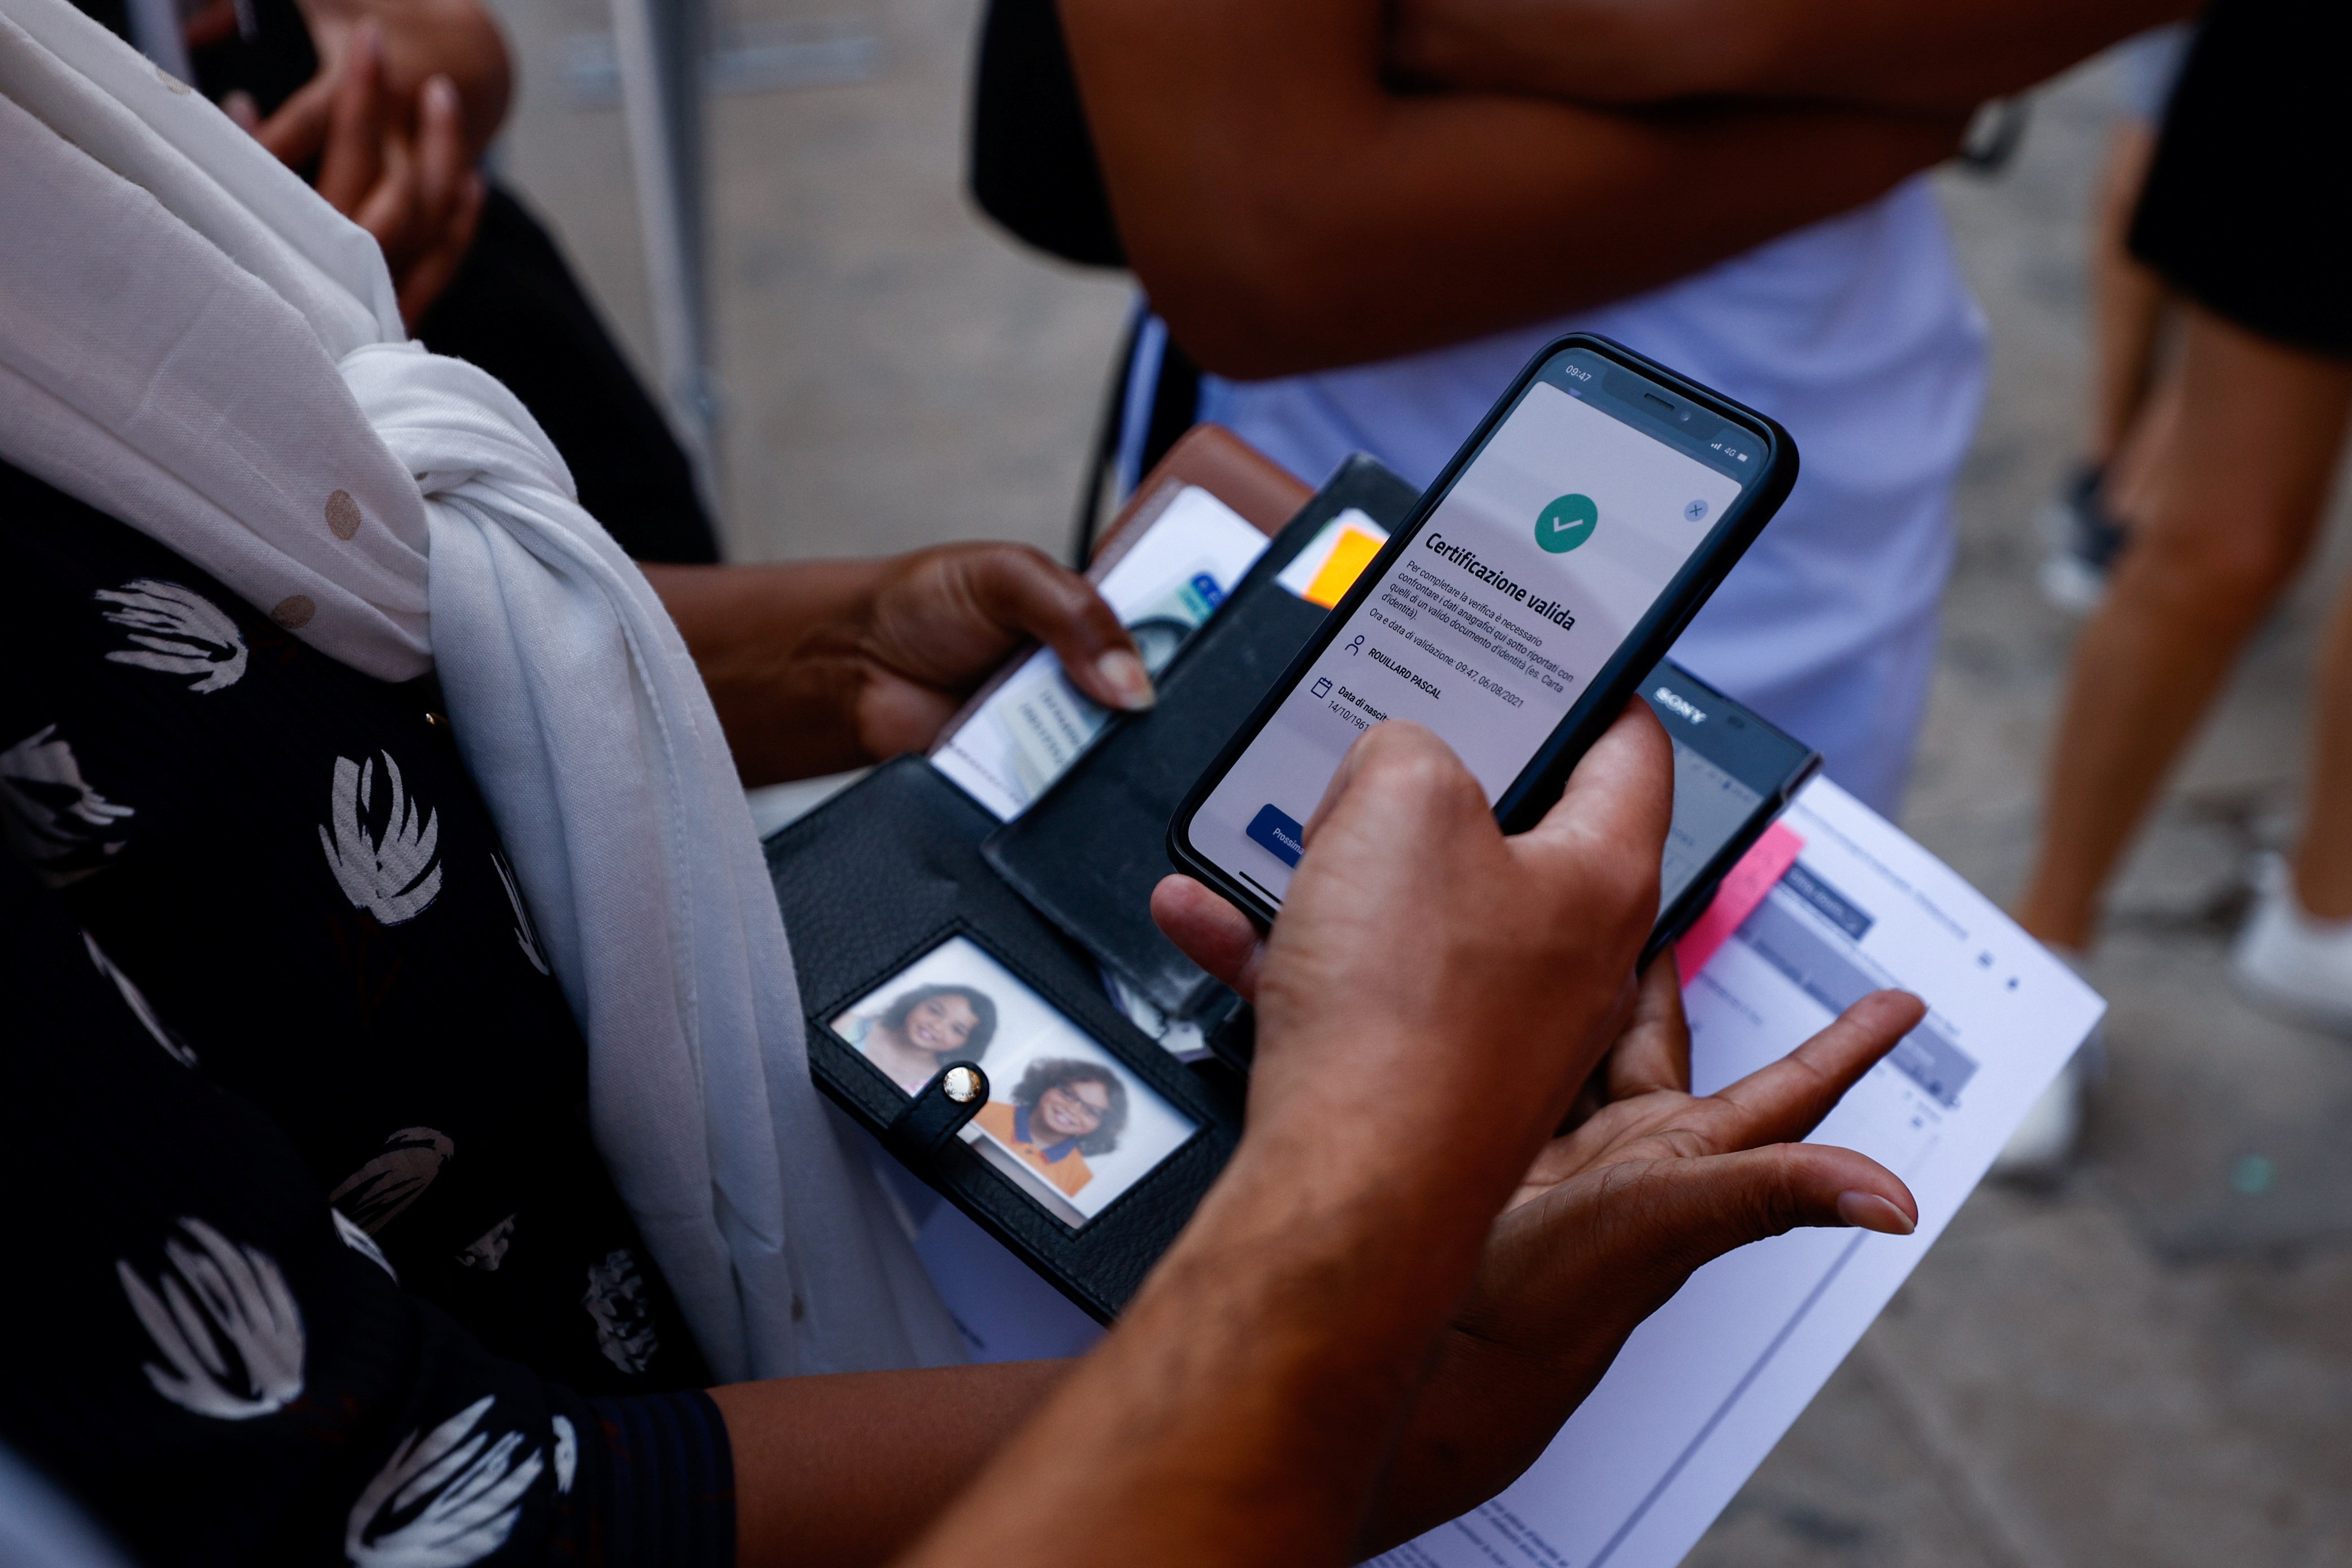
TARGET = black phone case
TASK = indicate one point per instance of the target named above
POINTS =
(1539, 783)
(1796, 762)
(879, 875)
(1089, 852)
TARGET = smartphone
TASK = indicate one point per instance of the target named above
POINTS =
(1734, 773)
(1542, 576)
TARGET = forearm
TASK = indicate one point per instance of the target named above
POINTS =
(1455, 217)
(1286, 213)
(776, 650)
(1247, 1357)
(1243, 1409)
(851, 1469)
(1939, 54)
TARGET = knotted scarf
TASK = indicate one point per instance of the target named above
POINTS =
(193, 341)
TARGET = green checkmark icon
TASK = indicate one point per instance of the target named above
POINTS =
(1567, 523)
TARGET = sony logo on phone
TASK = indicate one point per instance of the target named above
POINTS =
(1667, 699)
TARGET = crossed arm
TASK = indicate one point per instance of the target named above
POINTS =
(1327, 182)
(1287, 210)
(1941, 55)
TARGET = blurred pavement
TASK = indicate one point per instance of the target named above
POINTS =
(2150, 1365)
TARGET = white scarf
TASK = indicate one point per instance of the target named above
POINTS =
(193, 341)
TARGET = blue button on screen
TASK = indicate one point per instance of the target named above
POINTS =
(1280, 835)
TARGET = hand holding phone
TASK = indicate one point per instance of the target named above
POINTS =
(1569, 542)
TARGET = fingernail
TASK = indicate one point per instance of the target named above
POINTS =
(444, 92)
(1123, 672)
(1872, 1212)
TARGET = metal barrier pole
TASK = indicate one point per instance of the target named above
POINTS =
(662, 47)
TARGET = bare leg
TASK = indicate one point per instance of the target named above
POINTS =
(2323, 864)
(2232, 502)
(2127, 300)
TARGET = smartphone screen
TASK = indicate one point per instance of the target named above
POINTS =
(1491, 619)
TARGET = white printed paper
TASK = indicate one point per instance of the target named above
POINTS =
(1034, 725)
(1706, 1388)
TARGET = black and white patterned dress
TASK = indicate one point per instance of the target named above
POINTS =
(316, 1259)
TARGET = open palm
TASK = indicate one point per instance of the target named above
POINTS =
(1654, 1181)
(1650, 1183)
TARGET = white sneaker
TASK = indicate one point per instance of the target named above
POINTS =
(2043, 1147)
(2290, 962)
(2071, 583)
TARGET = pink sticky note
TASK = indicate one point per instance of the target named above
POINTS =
(1735, 897)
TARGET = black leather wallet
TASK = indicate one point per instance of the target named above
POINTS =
(902, 894)
(886, 896)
